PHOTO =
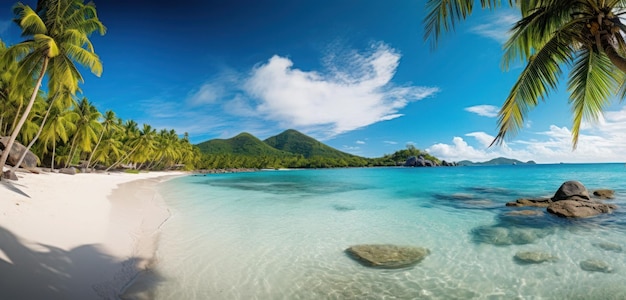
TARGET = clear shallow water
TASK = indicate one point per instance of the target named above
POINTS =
(282, 234)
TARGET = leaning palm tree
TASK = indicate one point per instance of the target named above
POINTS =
(586, 35)
(86, 127)
(57, 36)
(60, 124)
(108, 124)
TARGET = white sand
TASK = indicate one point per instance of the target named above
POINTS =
(83, 236)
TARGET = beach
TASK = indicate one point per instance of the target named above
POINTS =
(84, 236)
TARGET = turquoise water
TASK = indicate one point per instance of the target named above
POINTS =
(282, 234)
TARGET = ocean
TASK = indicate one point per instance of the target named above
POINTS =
(282, 234)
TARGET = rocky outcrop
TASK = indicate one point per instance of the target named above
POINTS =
(419, 162)
(533, 257)
(572, 200)
(29, 162)
(604, 194)
(387, 256)
(579, 209)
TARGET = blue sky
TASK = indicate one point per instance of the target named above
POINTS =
(354, 74)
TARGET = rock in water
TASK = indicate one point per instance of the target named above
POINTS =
(579, 209)
(595, 265)
(609, 246)
(571, 189)
(604, 194)
(533, 257)
(387, 256)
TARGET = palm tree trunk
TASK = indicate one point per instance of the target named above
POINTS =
(54, 149)
(94, 148)
(19, 108)
(71, 154)
(616, 59)
(43, 122)
(16, 130)
(123, 158)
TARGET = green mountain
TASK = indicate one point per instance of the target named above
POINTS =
(298, 143)
(495, 162)
(242, 144)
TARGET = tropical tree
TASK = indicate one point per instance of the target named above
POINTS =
(586, 36)
(57, 36)
(87, 125)
(60, 124)
(108, 125)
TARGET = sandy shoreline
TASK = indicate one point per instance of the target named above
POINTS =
(85, 236)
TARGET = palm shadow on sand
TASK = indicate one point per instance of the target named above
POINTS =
(53, 273)
(13, 187)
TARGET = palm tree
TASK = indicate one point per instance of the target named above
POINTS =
(57, 37)
(141, 144)
(109, 124)
(584, 34)
(86, 127)
(60, 123)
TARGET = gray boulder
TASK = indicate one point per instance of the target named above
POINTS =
(387, 256)
(9, 175)
(29, 162)
(410, 162)
(68, 171)
(571, 189)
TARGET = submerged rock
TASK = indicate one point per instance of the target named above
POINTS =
(595, 265)
(604, 194)
(535, 202)
(526, 212)
(609, 246)
(533, 257)
(387, 256)
(504, 236)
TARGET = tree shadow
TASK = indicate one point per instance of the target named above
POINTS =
(84, 272)
(11, 187)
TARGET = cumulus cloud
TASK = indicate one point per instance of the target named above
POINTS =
(360, 142)
(497, 26)
(340, 100)
(484, 110)
(601, 142)
(390, 142)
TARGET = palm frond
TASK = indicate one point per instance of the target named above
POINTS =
(29, 20)
(540, 75)
(592, 82)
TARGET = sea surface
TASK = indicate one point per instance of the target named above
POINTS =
(282, 234)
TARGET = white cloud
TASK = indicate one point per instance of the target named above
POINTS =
(602, 142)
(484, 110)
(207, 94)
(354, 93)
(497, 26)
(390, 142)
(360, 142)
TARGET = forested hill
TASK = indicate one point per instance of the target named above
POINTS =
(296, 142)
(242, 144)
(496, 161)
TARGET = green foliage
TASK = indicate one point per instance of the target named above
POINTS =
(131, 171)
(400, 156)
(295, 142)
(585, 37)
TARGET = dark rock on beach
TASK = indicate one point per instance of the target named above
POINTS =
(9, 175)
(29, 162)
(533, 257)
(387, 256)
(604, 194)
(595, 265)
(571, 190)
(68, 171)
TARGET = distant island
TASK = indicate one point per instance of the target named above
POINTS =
(496, 162)
(291, 149)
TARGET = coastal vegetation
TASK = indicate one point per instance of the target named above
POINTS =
(585, 37)
(58, 123)
(290, 149)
